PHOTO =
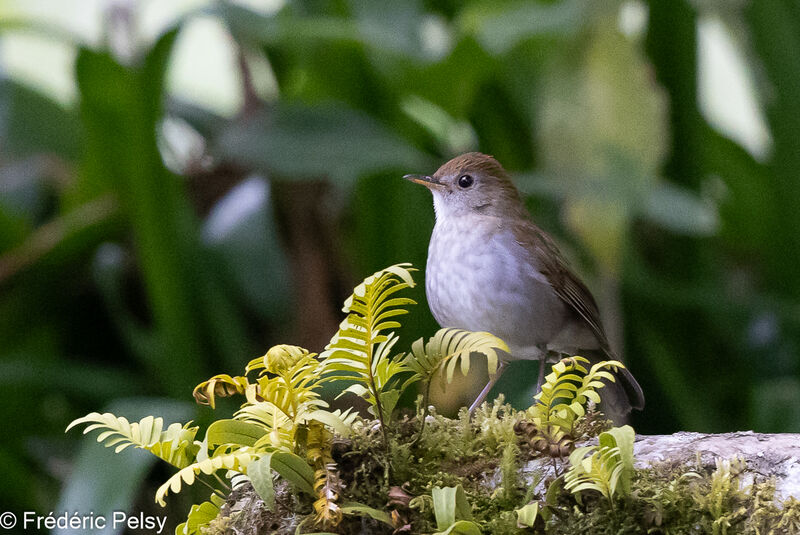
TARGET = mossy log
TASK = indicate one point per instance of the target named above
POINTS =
(729, 483)
(765, 455)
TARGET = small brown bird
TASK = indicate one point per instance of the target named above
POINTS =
(491, 269)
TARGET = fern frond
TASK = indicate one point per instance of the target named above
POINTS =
(219, 386)
(567, 389)
(603, 468)
(599, 471)
(294, 389)
(236, 461)
(338, 421)
(450, 348)
(280, 428)
(175, 445)
(278, 358)
(359, 351)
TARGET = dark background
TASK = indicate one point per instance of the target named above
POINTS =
(148, 242)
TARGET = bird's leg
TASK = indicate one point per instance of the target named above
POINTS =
(485, 392)
(542, 368)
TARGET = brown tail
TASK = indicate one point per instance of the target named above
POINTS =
(619, 397)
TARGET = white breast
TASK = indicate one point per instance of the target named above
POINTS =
(480, 278)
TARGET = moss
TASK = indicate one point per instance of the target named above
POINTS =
(484, 456)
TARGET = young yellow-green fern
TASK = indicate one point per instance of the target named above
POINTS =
(450, 348)
(605, 468)
(360, 351)
(175, 444)
(562, 399)
(567, 388)
(447, 349)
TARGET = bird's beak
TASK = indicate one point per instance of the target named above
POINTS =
(425, 180)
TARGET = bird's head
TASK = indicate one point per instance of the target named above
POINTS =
(472, 183)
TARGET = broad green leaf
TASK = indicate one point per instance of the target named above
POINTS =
(330, 419)
(391, 27)
(234, 432)
(502, 26)
(681, 211)
(462, 527)
(260, 474)
(450, 504)
(199, 516)
(299, 142)
(295, 470)
(354, 508)
(622, 438)
(526, 515)
(32, 123)
(389, 399)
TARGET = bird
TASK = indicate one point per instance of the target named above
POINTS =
(490, 268)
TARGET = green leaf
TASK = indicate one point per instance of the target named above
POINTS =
(622, 438)
(295, 470)
(234, 432)
(450, 347)
(174, 445)
(386, 27)
(260, 474)
(297, 142)
(236, 461)
(332, 420)
(605, 468)
(507, 24)
(462, 527)
(362, 346)
(526, 515)
(33, 123)
(355, 508)
(681, 211)
(389, 399)
(450, 504)
(199, 516)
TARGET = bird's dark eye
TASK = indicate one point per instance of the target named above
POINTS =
(465, 181)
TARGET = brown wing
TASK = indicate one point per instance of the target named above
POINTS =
(564, 282)
(625, 393)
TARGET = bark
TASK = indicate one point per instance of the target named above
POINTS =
(766, 455)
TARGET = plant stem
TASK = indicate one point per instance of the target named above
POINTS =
(425, 398)
(221, 482)
(213, 489)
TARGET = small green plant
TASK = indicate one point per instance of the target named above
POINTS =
(284, 430)
(527, 515)
(721, 499)
(447, 349)
(284, 427)
(452, 511)
(606, 468)
(562, 401)
(360, 351)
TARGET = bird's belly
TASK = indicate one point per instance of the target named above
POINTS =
(480, 283)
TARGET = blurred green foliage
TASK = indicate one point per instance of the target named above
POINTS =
(123, 276)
